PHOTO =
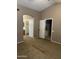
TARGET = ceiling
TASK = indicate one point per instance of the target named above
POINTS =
(37, 5)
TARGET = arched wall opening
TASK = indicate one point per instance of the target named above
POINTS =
(28, 28)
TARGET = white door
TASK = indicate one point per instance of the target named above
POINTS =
(42, 29)
(31, 27)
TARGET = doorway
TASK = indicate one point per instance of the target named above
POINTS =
(28, 25)
(48, 29)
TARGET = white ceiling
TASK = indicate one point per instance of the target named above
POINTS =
(37, 5)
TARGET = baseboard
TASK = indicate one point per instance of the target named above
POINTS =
(55, 42)
(20, 42)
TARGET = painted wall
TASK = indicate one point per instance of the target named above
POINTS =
(19, 27)
(54, 12)
(26, 11)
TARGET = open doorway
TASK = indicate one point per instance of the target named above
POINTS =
(48, 29)
(28, 27)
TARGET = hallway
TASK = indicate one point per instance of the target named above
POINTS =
(38, 49)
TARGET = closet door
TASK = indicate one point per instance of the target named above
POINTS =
(42, 28)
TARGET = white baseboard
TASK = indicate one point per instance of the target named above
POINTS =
(55, 42)
(20, 42)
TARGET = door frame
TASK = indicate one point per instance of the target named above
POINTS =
(52, 27)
